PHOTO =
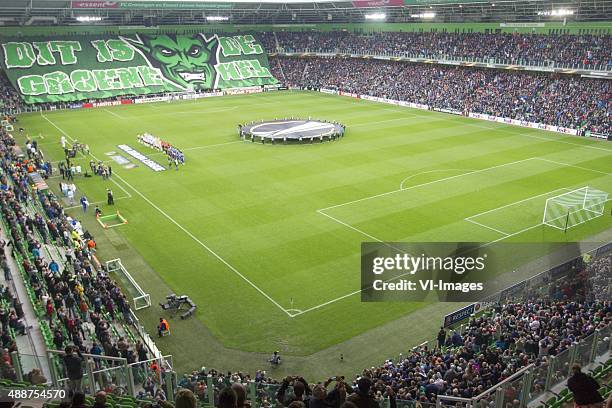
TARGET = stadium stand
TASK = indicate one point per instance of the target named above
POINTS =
(566, 101)
(561, 100)
(570, 51)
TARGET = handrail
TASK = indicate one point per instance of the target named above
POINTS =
(453, 398)
(500, 384)
(93, 356)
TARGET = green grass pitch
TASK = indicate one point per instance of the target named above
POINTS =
(266, 239)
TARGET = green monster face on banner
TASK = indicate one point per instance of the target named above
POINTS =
(187, 61)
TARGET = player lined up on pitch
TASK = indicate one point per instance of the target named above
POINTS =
(175, 155)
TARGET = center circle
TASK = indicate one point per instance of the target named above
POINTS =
(291, 130)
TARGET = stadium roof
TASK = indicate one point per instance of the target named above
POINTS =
(156, 12)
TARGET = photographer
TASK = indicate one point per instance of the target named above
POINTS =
(301, 391)
(333, 399)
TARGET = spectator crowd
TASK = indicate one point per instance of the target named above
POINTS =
(561, 100)
(77, 304)
(568, 50)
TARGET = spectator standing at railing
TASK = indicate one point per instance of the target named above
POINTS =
(73, 360)
(585, 389)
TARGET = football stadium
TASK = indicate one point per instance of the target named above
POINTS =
(306, 204)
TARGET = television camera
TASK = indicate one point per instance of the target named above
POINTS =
(175, 303)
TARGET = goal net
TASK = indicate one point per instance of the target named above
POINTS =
(141, 299)
(574, 207)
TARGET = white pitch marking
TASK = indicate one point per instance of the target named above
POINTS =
(506, 128)
(486, 226)
(514, 203)
(573, 165)
(351, 227)
(200, 147)
(426, 184)
(329, 302)
(203, 245)
(114, 114)
(427, 172)
(189, 234)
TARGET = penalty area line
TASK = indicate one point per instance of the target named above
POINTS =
(431, 171)
(486, 226)
(425, 184)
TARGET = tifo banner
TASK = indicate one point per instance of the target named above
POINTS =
(70, 69)
(140, 5)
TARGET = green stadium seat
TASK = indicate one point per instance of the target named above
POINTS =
(550, 403)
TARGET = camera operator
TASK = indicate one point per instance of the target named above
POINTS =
(163, 327)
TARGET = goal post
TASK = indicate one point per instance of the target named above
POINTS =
(574, 207)
(141, 299)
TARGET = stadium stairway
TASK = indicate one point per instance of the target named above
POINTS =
(58, 253)
(51, 250)
(32, 344)
(38, 313)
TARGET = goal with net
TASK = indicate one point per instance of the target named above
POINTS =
(141, 299)
(574, 207)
